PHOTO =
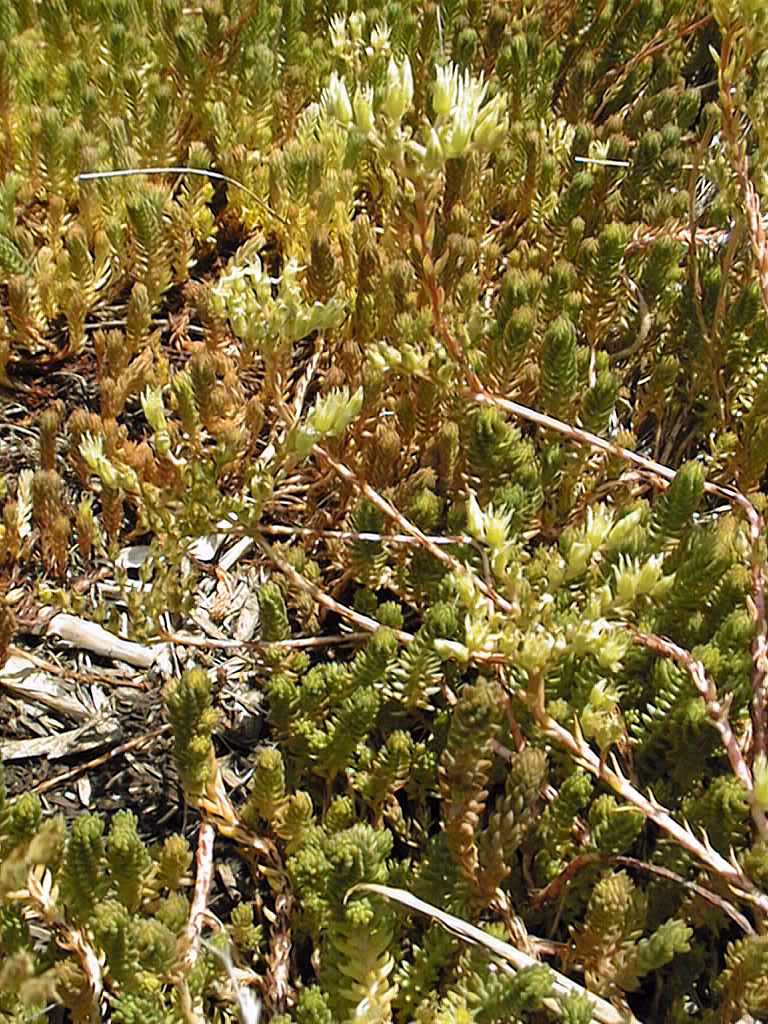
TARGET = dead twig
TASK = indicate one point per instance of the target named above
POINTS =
(717, 712)
(740, 164)
(554, 888)
(507, 956)
(42, 903)
(80, 677)
(729, 871)
(349, 614)
(189, 941)
(405, 526)
(730, 494)
(95, 762)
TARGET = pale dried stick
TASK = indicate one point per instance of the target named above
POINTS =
(362, 621)
(510, 958)
(70, 938)
(129, 172)
(730, 872)
(716, 711)
(279, 530)
(95, 762)
(209, 643)
(405, 526)
(68, 673)
(740, 164)
(189, 942)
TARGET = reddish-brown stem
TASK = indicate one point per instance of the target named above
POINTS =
(740, 165)
(730, 494)
(554, 888)
(409, 528)
(581, 751)
(715, 710)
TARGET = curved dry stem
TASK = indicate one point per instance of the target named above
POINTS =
(740, 165)
(716, 711)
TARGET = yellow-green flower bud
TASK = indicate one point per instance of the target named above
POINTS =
(152, 404)
(362, 106)
(598, 526)
(491, 125)
(475, 519)
(444, 90)
(536, 651)
(610, 650)
(622, 531)
(578, 558)
(337, 99)
(451, 649)
(399, 89)
(496, 528)
(92, 451)
(649, 575)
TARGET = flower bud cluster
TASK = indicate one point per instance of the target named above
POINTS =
(113, 475)
(243, 295)
(493, 528)
(330, 417)
(463, 120)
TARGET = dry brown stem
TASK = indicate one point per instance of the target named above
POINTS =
(39, 889)
(730, 494)
(729, 60)
(189, 942)
(349, 614)
(716, 711)
(405, 526)
(729, 871)
(554, 888)
(95, 762)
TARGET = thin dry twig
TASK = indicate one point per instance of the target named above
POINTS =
(717, 712)
(69, 673)
(68, 937)
(349, 614)
(509, 958)
(730, 494)
(95, 762)
(740, 164)
(189, 942)
(729, 871)
(130, 172)
(210, 643)
(407, 527)
(583, 860)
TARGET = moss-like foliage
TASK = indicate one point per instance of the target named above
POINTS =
(453, 318)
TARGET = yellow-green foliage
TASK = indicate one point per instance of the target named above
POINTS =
(407, 216)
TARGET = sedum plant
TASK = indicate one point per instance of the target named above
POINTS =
(456, 314)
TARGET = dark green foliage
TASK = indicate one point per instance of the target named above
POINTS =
(673, 511)
(193, 719)
(274, 616)
(83, 873)
(558, 367)
(127, 857)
